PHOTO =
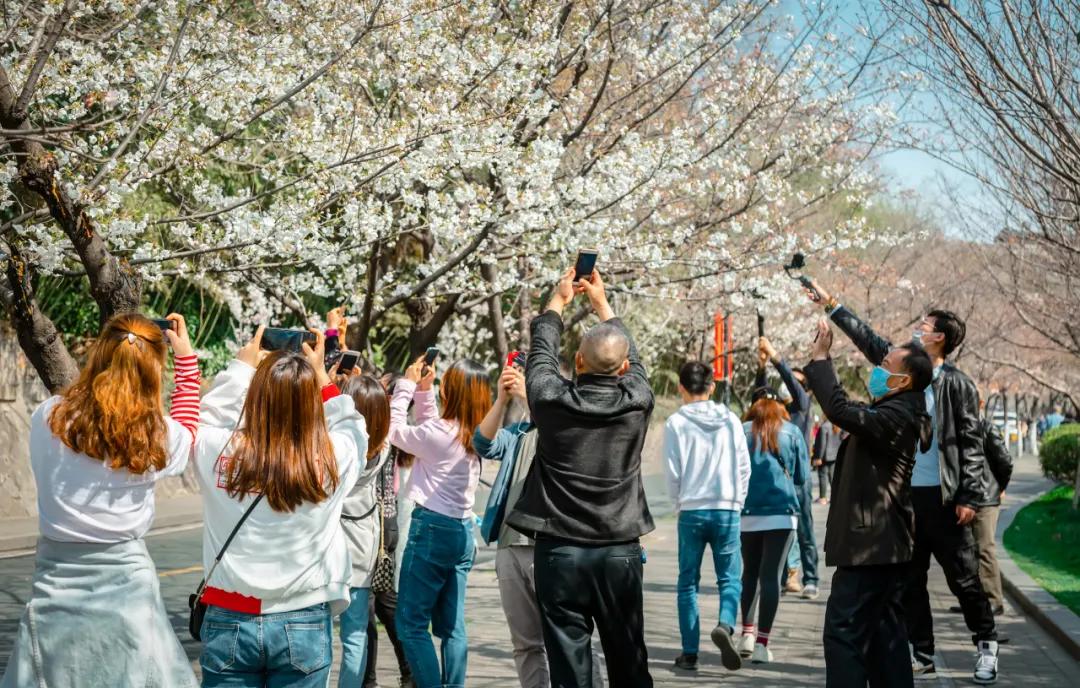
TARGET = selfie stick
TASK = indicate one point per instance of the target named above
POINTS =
(798, 262)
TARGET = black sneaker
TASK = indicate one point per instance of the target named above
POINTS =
(922, 665)
(729, 654)
(686, 662)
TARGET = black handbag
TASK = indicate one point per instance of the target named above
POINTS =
(196, 607)
(382, 576)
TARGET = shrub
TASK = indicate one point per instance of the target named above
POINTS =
(1060, 453)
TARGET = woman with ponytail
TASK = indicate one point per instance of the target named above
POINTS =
(95, 616)
(779, 462)
(440, 548)
(279, 437)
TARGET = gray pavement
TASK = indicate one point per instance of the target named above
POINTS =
(1030, 659)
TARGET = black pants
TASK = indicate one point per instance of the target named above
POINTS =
(824, 476)
(763, 553)
(953, 545)
(383, 605)
(578, 587)
(865, 640)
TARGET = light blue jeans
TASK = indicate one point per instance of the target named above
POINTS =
(719, 529)
(267, 650)
(354, 623)
(434, 570)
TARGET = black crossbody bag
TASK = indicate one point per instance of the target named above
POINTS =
(196, 607)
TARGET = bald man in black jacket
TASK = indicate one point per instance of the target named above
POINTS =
(583, 501)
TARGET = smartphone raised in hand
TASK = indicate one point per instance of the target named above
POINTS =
(585, 263)
(430, 355)
(347, 361)
(164, 324)
(281, 339)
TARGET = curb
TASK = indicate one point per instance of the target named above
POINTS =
(1054, 618)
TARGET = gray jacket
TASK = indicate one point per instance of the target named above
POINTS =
(360, 519)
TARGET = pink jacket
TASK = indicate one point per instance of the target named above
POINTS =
(445, 475)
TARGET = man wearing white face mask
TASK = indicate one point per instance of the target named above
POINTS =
(947, 486)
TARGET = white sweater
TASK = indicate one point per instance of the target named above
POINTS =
(706, 458)
(287, 560)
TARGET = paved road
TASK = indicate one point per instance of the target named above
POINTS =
(1030, 660)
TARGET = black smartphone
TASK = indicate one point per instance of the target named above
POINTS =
(347, 361)
(430, 356)
(164, 324)
(586, 262)
(281, 339)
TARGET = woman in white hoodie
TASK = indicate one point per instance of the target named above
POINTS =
(266, 433)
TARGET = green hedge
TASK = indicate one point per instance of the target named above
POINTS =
(1060, 453)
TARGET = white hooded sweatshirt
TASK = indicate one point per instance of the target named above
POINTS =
(706, 458)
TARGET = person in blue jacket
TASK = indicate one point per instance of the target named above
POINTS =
(770, 514)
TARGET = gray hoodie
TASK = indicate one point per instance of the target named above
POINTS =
(706, 458)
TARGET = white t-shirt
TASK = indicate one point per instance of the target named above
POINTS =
(81, 499)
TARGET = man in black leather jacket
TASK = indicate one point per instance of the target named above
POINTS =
(947, 487)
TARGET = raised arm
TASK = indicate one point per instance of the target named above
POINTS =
(414, 439)
(870, 343)
(798, 394)
(543, 381)
(857, 418)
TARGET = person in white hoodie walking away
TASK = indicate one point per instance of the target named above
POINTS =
(708, 471)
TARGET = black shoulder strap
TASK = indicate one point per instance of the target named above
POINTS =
(228, 541)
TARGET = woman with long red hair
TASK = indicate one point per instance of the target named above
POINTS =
(440, 548)
(275, 429)
(779, 462)
(97, 449)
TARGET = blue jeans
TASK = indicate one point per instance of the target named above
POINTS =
(271, 650)
(719, 529)
(438, 557)
(808, 553)
(354, 623)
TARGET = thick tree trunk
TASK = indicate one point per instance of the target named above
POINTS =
(423, 336)
(38, 336)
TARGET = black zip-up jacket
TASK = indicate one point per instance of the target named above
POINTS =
(871, 520)
(584, 485)
(998, 467)
(956, 417)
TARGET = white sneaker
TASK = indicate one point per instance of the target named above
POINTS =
(746, 645)
(986, 663)
(762, 654)
(810, 592)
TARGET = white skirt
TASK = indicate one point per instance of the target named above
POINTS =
(96, 618)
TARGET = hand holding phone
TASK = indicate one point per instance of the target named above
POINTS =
(281, 339)
(163, 324)
(585, 264)
(347, 361)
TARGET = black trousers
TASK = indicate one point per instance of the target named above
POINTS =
(578, 587)
(383, 605)
(824, 474)
(865, 641)
(953, 545)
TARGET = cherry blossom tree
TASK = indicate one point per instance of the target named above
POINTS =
(428, 163)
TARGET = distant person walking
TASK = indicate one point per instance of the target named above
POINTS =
(584, 502)
(826, 448)
(708, 474)
(770, 515)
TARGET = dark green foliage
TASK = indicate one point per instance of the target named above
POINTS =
(1060, 453)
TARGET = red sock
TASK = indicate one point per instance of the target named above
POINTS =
(763, 638)
(748, 629)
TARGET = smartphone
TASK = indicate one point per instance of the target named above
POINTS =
(586, 262)
(281, 339)
(347, 361)
(164, 324)
(430, 356)
(515, 358)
